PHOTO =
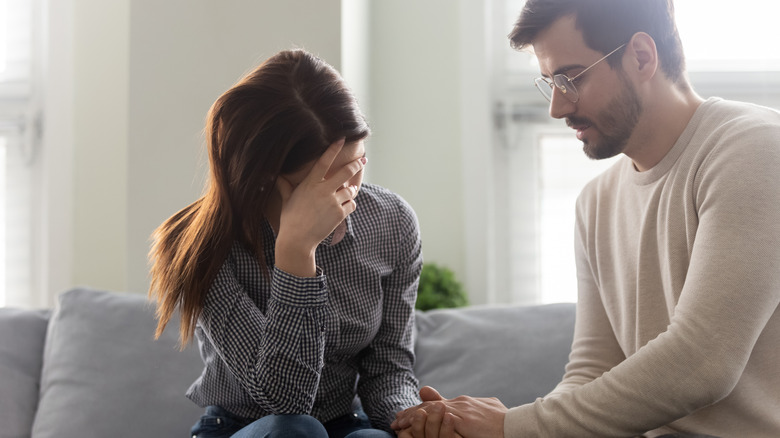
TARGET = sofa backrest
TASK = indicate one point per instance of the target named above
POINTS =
(92, 368)
(515, 353)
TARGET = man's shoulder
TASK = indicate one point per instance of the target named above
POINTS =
(732, 114)
(731, 129)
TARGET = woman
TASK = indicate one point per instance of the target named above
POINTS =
(298, 280)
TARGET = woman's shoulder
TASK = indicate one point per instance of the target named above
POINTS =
(380, 204)
(381, 198)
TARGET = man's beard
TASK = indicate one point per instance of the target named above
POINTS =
(616, 124)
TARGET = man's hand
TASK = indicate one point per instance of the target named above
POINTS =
(403, 419)
(459, 417)
(427, 420)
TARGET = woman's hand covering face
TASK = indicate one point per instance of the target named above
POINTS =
(320, 201)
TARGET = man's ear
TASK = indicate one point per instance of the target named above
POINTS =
(641, 56)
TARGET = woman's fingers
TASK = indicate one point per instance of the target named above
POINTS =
(346, 193)
(346, 172)
(333, 178)
(323, 164)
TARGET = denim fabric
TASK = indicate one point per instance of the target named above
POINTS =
(685, 435)
(219, 423)
(355, 425)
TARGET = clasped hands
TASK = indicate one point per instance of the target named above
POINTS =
(460, 417)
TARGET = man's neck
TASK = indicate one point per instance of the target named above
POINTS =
(665, 116)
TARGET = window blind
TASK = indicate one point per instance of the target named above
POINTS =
(17, 112)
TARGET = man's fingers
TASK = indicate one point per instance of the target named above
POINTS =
(406, 433)
(433, 422)
(403, 419)
(428, 393)
(448, 426)
(323, 164)
(419, 419)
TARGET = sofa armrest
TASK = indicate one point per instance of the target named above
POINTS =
(22, 335)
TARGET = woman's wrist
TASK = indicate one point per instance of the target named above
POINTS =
(294, 258)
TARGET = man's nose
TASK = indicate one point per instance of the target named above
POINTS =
(560, 106)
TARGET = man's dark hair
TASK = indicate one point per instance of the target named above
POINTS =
(606, 24)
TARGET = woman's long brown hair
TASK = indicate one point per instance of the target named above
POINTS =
(279, 117)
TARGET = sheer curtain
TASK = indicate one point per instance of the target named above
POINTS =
(19, 126)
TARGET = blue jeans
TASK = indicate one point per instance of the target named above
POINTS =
(219, 423)
(685, 435)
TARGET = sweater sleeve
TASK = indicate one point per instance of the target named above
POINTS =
(729, 294)
(277, 356)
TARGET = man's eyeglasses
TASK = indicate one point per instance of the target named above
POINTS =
(564, 83)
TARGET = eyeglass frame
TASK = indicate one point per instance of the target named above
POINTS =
(562, 87)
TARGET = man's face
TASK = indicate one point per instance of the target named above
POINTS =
(608, 108)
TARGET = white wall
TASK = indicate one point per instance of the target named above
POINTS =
(183, 55)
(130, 106)
(415, 147)
(143, 74)
(429, 110)
(101, 96)
(54, 247)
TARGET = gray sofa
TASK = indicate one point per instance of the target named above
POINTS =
(90, 368)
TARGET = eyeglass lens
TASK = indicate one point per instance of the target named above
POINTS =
(564, 85)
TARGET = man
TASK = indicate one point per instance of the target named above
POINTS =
(677, 245)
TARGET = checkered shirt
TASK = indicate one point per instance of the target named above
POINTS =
(282, 344)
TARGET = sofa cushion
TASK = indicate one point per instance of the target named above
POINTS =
(105, 375)
(511, 352)
(22, 334)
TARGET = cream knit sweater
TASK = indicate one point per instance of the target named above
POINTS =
(678, 327)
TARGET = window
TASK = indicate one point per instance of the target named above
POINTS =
(750, 44)
(17, 139)
(563, 171)
(540, 166)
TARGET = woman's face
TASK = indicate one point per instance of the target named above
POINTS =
(350, 152)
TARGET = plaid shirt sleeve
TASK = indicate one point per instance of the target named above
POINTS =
(387, 383)
(277, 357)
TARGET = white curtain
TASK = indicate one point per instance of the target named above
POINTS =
(19, 123)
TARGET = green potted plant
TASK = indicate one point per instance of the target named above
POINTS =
(439, 289)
